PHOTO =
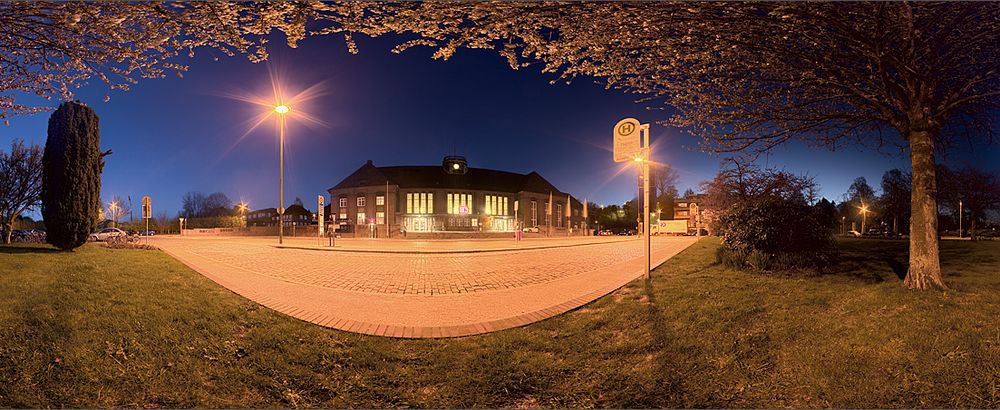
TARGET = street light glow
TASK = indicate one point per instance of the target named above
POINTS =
(638, 159)
(281, 109)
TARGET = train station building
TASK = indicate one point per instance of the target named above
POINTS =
(451, 197)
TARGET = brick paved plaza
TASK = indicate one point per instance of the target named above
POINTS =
(420, 288)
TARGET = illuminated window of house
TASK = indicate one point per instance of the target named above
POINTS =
(380, 200)
(343, 202)
(361, 201)
(361, 218)
(380, 217)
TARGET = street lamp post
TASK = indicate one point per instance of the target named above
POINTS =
(864, 217)
(281, 110)
(114, 212)
(960, 219)
(643, 160)
(243, 212)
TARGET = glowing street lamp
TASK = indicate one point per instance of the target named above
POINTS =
(243, 207)
(113, 206)
(281, 109)
(279, 104)
(864, 216)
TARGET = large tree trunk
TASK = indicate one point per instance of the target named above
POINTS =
(925, 266)
(8, 230)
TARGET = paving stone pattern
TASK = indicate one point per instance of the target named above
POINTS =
(419, 295)
(418, 274)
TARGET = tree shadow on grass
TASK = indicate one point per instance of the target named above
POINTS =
(873, 262)
(9, 249)
(670, 386)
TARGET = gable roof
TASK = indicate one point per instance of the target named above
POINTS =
(296, 209)
(434, 176)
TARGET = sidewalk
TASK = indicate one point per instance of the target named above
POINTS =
(420, 246)
(378, 312)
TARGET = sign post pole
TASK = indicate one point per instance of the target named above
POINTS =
(647, 151)
(321, 227)
(631, 143)
(147, 213)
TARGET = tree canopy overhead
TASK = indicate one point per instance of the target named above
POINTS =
(744, 77)
(51, 49)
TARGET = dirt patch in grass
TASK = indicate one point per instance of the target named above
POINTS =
(128, 328)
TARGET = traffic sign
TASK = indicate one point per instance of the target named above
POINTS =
(147, 207)
(627, 144)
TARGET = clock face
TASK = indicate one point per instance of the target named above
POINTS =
(455, 165)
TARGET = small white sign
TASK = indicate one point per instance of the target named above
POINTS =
(319, 216)
(627, 144)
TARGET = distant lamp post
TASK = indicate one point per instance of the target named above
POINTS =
(960, 218)
(281, 109)
(242, 206)
(113, 206)
(864, 217)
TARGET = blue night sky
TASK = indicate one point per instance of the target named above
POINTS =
(175, 135)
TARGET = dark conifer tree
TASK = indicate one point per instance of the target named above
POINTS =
(71, 175)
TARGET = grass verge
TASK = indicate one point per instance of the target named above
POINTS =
(115, 327)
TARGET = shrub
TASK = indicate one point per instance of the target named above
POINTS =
(776, 234)
(71, 175)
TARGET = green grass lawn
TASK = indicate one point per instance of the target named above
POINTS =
(111, 327)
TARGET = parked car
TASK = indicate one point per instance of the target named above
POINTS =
(533, 229)
(149, 232)
(106, 233)
(875, 233)
(855, 234)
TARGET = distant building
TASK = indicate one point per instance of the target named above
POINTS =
(295, 215)
(690, 208)
(263, 217)
(451, 197)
